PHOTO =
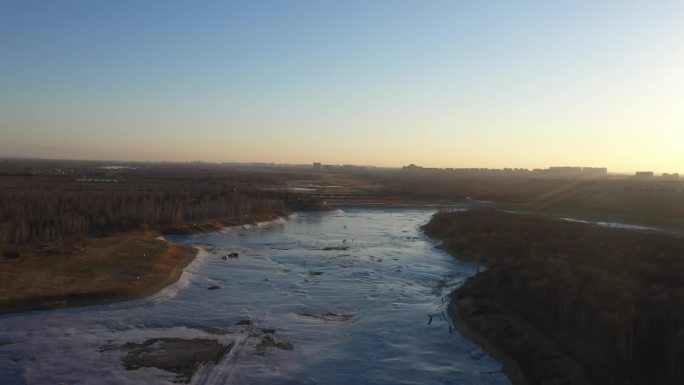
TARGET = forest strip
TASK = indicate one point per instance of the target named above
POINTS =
(571, 303)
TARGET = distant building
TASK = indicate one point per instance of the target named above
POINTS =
(644, 174)
(594, 171)
(317, 165)
(565, 171)
(667, 176)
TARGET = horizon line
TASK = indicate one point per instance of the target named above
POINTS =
(310, 164)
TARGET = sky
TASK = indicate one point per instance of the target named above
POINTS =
(437, 83)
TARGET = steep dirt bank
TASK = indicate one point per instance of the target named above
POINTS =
(570, 303)
(92, 271)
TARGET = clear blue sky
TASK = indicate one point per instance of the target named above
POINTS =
(438, 83)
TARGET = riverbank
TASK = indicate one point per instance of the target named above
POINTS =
(569, 303)
(528, 357)
(294, 304)
(218, 224)
(100, 270)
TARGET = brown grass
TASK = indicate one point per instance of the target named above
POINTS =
(90, 271)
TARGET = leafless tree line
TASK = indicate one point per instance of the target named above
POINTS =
(46, 214)
(621, 291)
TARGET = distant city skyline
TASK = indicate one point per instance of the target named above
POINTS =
(589, 170)
(386, 83)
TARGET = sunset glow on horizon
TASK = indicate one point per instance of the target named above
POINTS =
(387, 83)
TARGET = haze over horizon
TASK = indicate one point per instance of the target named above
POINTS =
(386, 83)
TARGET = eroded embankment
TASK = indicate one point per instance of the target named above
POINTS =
(570, 303)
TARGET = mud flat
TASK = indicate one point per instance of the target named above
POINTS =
(179, 356)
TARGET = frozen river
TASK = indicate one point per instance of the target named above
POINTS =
(359, 294)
